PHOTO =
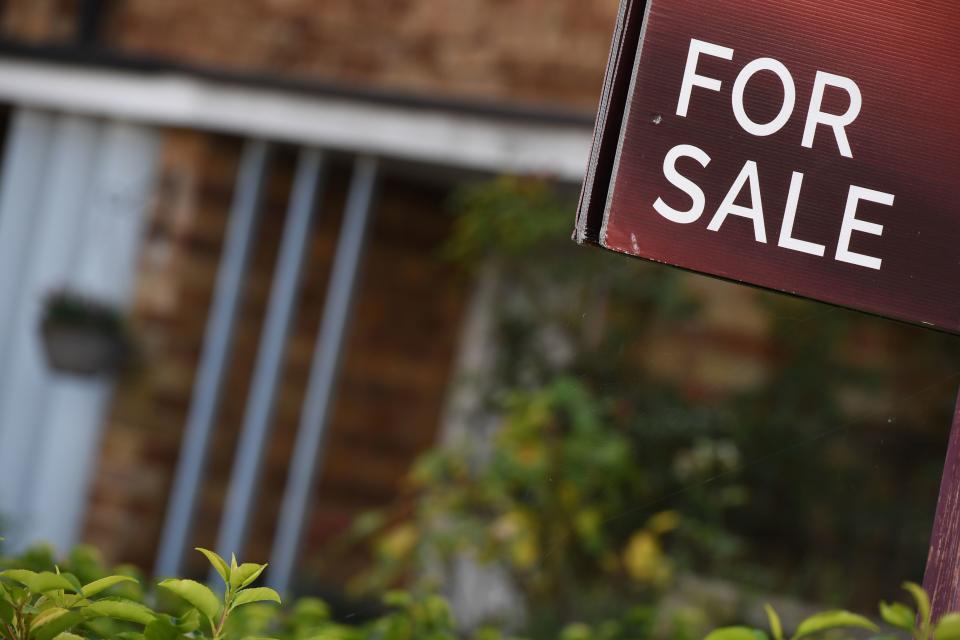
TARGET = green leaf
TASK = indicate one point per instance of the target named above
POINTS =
(257, 594)
(66, 635)
(190, 621)
(100, 627)
(101, 585)
(219, 564)
(245, 574)
(898, 615)
(39, 582)
(124, 610)
(47, 617)
(52, 622)
(310, 611)
(6, 611)
(737, 633)
(201, 597)
(948, 628)
(21, 576)
(923, 603)
(161, 629)
(75, 585)
(397, 599)
(832, 620)
(776, 627)
(17, 593)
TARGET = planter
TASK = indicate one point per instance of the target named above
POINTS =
(83, 337)
(83, 351)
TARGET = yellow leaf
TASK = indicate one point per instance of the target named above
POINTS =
(525, 552)
(399, 541)
(588, 523)
(508, 526)
(644, 559)
(570, 495)
(530, 455)
(664, 522)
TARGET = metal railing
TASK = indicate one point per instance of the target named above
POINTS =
(59, 103)
(215, 361)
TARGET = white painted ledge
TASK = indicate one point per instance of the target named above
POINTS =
(469, 141)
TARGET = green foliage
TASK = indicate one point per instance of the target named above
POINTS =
(555, 299)
(42, 605)
(567, 495)
(237, 579)
(507, 216)
(407, 617)
(555, 503)
(56, 605)
(811, 454)
(39, 601)
(916, 622)
(565, 502)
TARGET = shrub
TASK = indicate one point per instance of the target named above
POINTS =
(56, 604)
(916, 622)
(52, 604)
(39, 603)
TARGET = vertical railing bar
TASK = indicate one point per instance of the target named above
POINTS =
(242, 491)
(308, 450)
(214, 361)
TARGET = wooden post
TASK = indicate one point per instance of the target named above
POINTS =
(942, 578)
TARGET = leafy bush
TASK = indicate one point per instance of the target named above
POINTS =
(561, 501)
(56, 605)
(840, 431)
(45, 602)
(916, 622)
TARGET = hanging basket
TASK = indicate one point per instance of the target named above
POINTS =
(83, 337)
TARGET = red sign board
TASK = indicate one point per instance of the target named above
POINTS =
(804, 146)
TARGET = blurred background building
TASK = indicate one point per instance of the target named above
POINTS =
(165, 156)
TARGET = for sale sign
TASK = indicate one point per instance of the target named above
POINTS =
(805, 146)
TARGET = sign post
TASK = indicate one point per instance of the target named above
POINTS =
(809, 151)
(942, 578)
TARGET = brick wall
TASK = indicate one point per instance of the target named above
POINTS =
(397, 363)
(540, 51)
(39, 20)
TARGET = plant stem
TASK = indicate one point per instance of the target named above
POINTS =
(218, 630)
(24, 632)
